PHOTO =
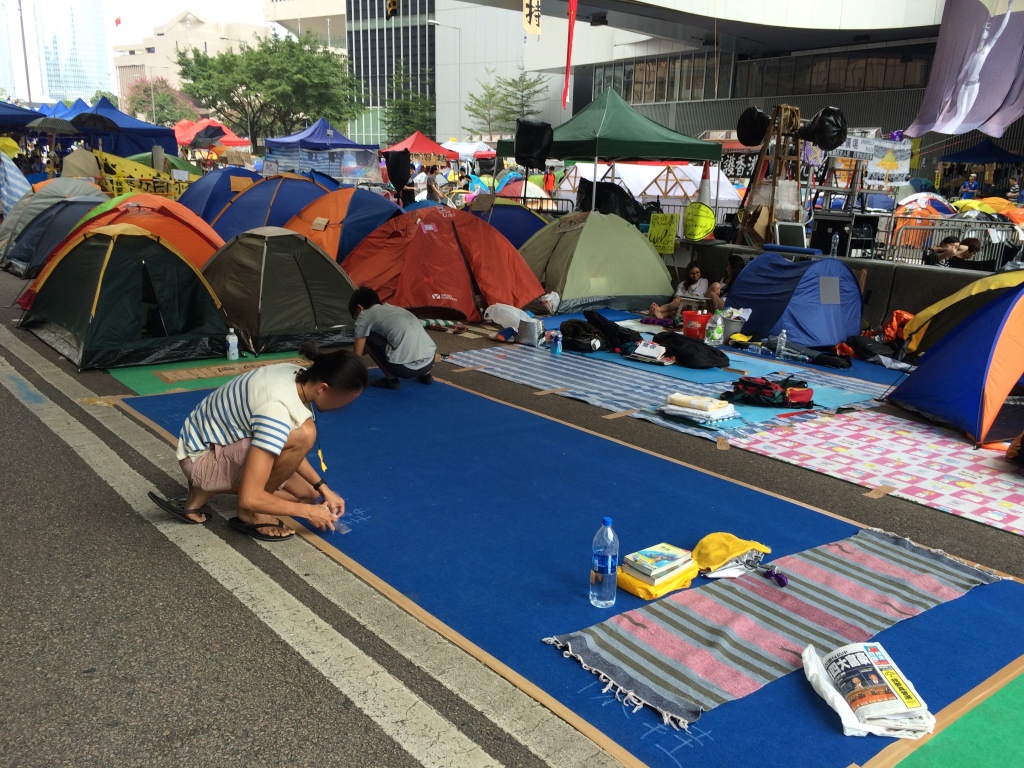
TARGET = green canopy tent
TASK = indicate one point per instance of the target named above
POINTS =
(610, 129)
(173, 162)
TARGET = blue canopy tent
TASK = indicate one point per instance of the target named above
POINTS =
(133, 136)
(59, 109)
(12, 117)
(46, 110)
(75, 109)
(983, 154)
(817, 302)
(322, 147)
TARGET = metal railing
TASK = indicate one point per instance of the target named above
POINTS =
(909, 239)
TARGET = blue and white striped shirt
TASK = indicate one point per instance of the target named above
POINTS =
(263, 404)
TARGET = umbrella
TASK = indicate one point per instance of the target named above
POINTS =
(55, 126)
(91, 121)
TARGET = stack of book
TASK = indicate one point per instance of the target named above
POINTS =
(657, 564)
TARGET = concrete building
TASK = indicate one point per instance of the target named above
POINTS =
(155, 56)
(324, 18)
(66, 45)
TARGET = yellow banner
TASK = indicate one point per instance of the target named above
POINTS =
(662, 231)
(531, 16)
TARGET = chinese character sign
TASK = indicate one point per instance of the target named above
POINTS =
(531, 16)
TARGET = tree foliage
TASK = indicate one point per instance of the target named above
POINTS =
(101, 94)
(486, 108)
(521, 95)
(407, 109)
(275, 86)
(169, 104)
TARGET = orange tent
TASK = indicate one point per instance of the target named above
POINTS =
(342, 219)
(435, 260)
(187, 134)
(40, 184)
(916, 215)
(168, 220)
(1016, 215)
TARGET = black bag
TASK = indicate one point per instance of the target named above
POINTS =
(578, 336)
(617, 337)
(867, 348)
(830, 360)
(691, 353)
(826, 130)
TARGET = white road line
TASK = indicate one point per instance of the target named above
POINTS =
(549, 737)
(402, 715)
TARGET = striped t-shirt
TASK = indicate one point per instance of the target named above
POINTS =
(263, 404)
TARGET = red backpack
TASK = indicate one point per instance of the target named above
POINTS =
(787, 393)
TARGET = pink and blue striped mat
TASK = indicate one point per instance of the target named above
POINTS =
(699, 648)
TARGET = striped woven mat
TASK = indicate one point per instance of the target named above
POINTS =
(699, 648)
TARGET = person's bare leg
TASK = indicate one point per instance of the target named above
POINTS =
(195, 499)
(300, 443)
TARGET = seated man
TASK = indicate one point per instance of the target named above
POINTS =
(393, 337)
(250, 437)
(940, 255)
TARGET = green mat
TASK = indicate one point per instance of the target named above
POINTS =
(988, 736)
(143, 379)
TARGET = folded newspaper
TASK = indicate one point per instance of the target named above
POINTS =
(867, 689)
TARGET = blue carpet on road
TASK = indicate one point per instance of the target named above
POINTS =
(483, 514)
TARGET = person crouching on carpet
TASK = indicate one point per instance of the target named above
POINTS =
(393, 337)
(251, 436)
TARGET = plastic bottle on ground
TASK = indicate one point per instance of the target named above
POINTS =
(232, 342)
(717, 325)
(604, 566)
(780, 344)
(834, 250)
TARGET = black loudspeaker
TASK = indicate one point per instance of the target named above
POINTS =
(826, 130)
(532, 142)
(752, 127)
(397, 164)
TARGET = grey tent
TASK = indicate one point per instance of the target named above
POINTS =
(34, 203)
(119, 295)
(28, 251)
(279, 289)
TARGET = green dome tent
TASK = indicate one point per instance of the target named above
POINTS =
(597, 260)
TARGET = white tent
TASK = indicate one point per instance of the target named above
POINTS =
(81, 164)
(467, 149)
(670, 184)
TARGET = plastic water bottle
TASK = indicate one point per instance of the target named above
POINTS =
(834, 250)
(717, 328)
(232, 341)
(556, 343)
(604, 566)
(780, 344)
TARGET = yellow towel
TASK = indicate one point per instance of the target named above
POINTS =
(695, 401)
(646, 591)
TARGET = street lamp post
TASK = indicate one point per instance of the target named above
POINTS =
(248, 110)
(458, 45)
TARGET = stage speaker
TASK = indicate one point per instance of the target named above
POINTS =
(532, 142)
(826, 130)
(752, 127)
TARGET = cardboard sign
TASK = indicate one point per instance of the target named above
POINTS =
(238, 183)
(698, 221)
(662, 232)
(320, 223)
(216, 371)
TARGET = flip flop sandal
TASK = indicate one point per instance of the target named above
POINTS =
(250, 529)
(176, 507)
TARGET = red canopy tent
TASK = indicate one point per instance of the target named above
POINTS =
(181, 129)
(418, 144)
(186, 136)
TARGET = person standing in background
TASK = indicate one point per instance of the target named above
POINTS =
(549, 180)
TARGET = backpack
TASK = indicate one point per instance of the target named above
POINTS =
(787, 393)
(691, 353)
(578, 336)
(617, 337)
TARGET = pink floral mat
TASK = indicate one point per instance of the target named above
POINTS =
(924, 463)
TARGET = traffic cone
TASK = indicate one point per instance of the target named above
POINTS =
(704, 191)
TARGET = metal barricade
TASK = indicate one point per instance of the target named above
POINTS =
(909, 239)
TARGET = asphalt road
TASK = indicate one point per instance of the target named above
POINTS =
(133, 640)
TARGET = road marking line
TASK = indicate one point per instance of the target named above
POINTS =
(406, 718)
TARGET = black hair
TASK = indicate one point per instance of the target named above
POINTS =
(341, 370)
(737, 263)
(973, 244)
(688, 283)
(949, 240)
(364, 296)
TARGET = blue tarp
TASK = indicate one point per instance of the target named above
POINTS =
(208, 196)
(16, 117)
(982, 154)
(134, 137)
(315, 137)
(798, 297)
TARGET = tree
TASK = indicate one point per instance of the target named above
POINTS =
(519, 95)
(487, 109)
(101, 94)
(158, 102)
(274, 87)
(408, 110)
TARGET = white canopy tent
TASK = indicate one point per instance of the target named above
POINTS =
(467, 149)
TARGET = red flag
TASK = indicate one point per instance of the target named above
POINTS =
(568, 52)
(117, 22)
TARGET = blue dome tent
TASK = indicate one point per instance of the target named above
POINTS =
(817, 302)
(207, 196)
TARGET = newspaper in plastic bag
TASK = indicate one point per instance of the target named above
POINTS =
(861, 683)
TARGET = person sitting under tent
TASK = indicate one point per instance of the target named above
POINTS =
(251, 436)
(717, 292)
(693, 285)
(393, 337)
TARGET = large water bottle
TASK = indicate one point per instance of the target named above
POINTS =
(834, 250)
(780, 344)
(604, 566)
(232, 341)
(718, 328)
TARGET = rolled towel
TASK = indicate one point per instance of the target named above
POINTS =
(694, 414)
(696, 402)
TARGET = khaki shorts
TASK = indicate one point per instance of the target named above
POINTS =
(219, 470)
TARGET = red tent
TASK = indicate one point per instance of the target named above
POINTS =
(181, 129)
(187, 135)
(434, 260)
(418, 144)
